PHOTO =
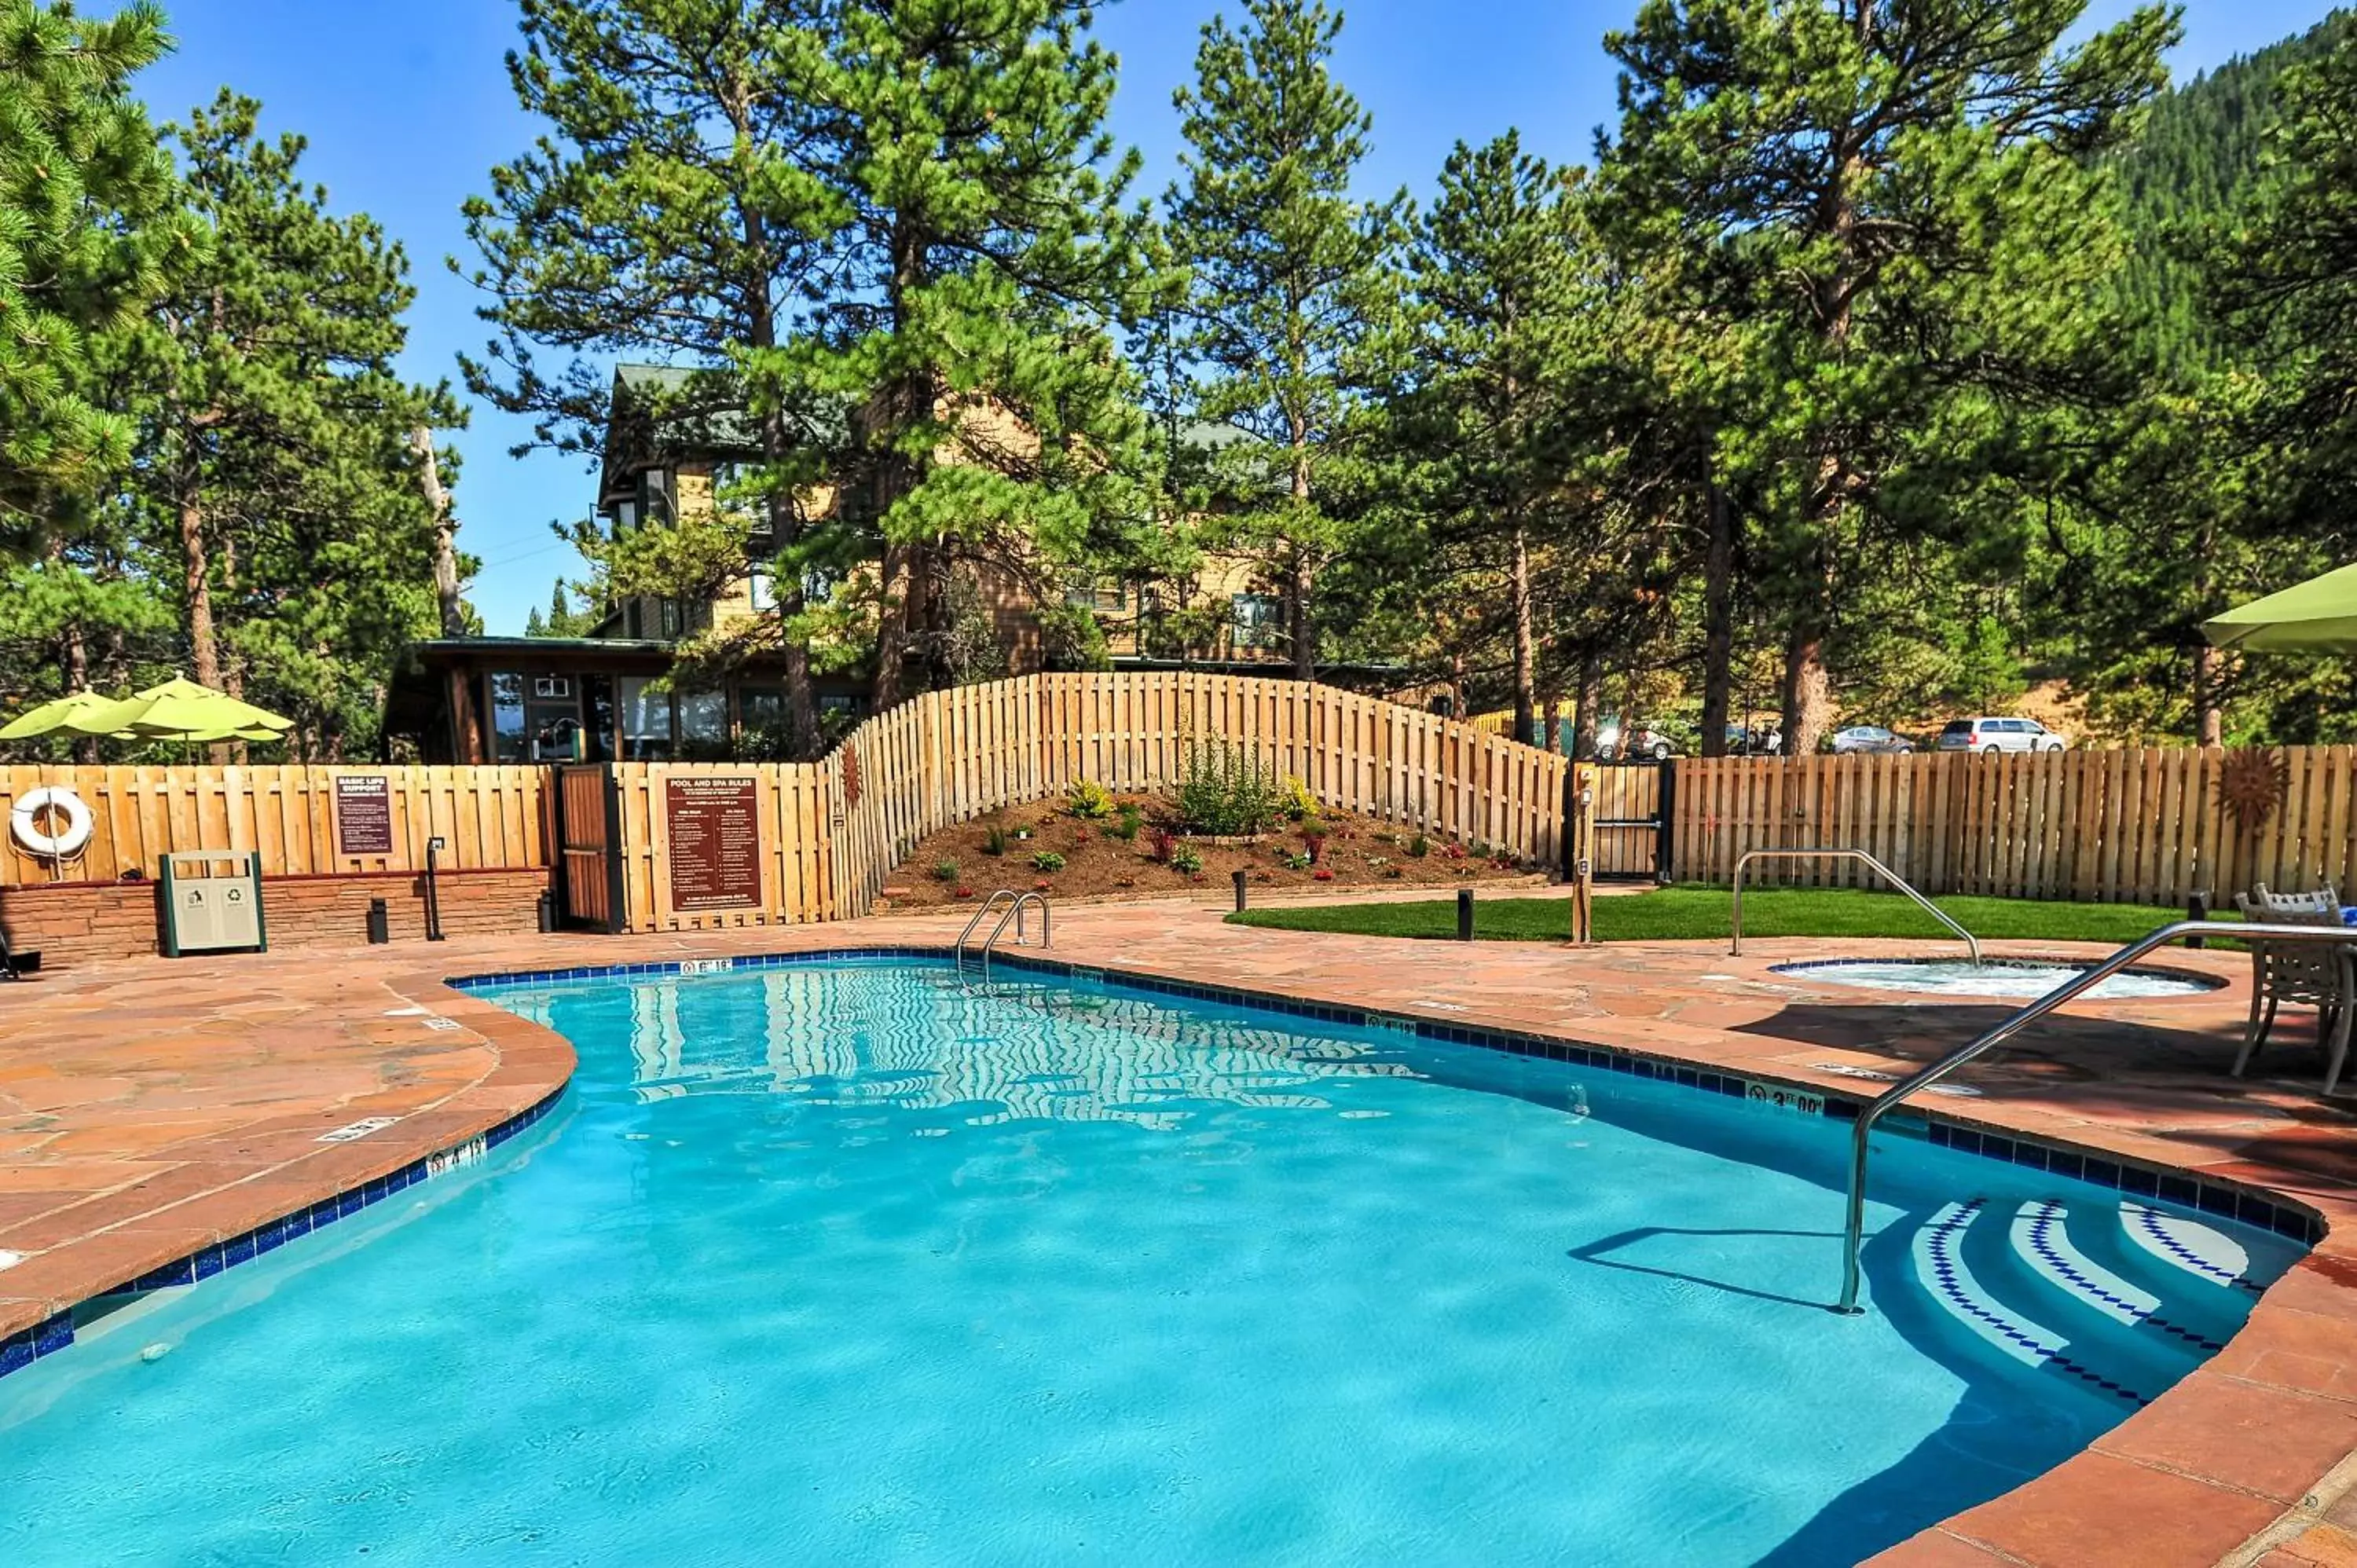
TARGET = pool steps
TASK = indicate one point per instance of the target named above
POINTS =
(2118, 1297)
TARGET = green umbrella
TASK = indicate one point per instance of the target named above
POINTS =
(52, 717)
(2319, 615)
(178, 710)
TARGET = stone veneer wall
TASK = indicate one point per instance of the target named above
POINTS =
(83, 922)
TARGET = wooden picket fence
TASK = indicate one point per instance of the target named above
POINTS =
(831, 832)
(486, 817)
(2149, 826)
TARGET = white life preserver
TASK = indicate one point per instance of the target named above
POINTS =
(24, 822)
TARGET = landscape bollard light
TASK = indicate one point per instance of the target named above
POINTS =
(380, 925)
(1240, 892)
(2197, 908)
(1465, 914)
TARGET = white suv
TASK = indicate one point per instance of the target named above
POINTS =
(1987, 736)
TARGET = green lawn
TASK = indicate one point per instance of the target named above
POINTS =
(1697, 913)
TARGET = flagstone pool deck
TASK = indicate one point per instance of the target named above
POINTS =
(151, 1108)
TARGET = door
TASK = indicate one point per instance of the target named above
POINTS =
(589, 847)
(1632, 819)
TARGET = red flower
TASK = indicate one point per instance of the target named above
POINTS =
(1042, 885)
(1321, 874)
(966, 892)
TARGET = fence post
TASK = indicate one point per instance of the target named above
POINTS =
(1665, 808)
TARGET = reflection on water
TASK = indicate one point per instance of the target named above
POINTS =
(1005, 1052)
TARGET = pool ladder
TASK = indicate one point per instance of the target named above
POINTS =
(1012, 910)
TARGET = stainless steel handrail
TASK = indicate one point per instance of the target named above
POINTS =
(1901, 883)
(957, 953)
(1854, 1235)
(1015, 913)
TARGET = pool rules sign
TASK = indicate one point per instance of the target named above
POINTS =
(715, 835)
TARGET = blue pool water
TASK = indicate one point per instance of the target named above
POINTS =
(846, 1263)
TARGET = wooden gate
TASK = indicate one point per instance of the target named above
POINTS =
(589, 847)
(1633, 821)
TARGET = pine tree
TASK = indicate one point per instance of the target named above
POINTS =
(978, 254)
(275, 458)
(1908, 189)
(90, 230)
(1495, 274)
(1291, 282)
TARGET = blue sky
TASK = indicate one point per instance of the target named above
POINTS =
(406, 105)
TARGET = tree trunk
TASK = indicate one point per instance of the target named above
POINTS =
(2208, 718)
(1299, 626)
(195, 582)
(1525, 652)
(885, 686)
(1589, 704)
(75, 650)
(1717, 624)
(1808, 690)
(446, 534)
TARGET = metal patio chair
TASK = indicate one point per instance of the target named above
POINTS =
(2324, 978)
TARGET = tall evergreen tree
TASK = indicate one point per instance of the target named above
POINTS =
(1495, 273)
(978, 254)
(1907, 188)
(1291, 273)
(275, 456)
(90, 230)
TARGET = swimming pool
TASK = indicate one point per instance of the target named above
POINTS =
(846, 1261)
(2010, 979)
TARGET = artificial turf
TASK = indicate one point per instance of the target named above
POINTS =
(1672, 914)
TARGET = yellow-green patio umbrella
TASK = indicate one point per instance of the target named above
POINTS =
(2318, 616)
(53, 716)
(178, 710)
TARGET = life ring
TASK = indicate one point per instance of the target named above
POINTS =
(24, 822)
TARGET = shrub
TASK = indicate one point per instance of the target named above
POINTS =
(1047, 859)
(1088, 801)
(964, 891)
(1293, 860)
(945, 871)
(1420, 846)
(1299, 803)
(1188, 860)
(1226, 790)
(1125, 823)
(1159, 843)
(1452, 850)
(994, 841)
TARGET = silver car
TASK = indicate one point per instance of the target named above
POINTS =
(1869, 738)
(1988, 735)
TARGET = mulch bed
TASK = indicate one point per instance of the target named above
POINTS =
(956, 866)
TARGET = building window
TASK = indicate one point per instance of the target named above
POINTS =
(1256, 620)
(546, 688)
(509, 742)
(667, 610)
(1089, 592)
(646, 720)
(762, 590)
(626, 516)
(703, 726)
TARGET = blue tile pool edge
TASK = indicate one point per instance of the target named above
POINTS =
(2261, 1210)
(55, 1333)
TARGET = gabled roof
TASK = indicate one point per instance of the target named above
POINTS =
(663, 413)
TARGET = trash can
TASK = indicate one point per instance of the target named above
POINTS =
(205, 907)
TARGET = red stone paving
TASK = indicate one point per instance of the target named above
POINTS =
(147, 1108)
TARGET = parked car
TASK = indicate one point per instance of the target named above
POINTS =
(1869, 738)
(1988, 735)
(1756, 740)
(1638, 744)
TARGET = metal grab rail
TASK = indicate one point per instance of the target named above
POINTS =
(1901, 883)
(1854, 1234)
(1015, 913)
(957, 953)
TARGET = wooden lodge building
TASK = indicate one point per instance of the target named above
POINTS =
(602, 697)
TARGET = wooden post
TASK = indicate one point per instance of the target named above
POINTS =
(1581, 833)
